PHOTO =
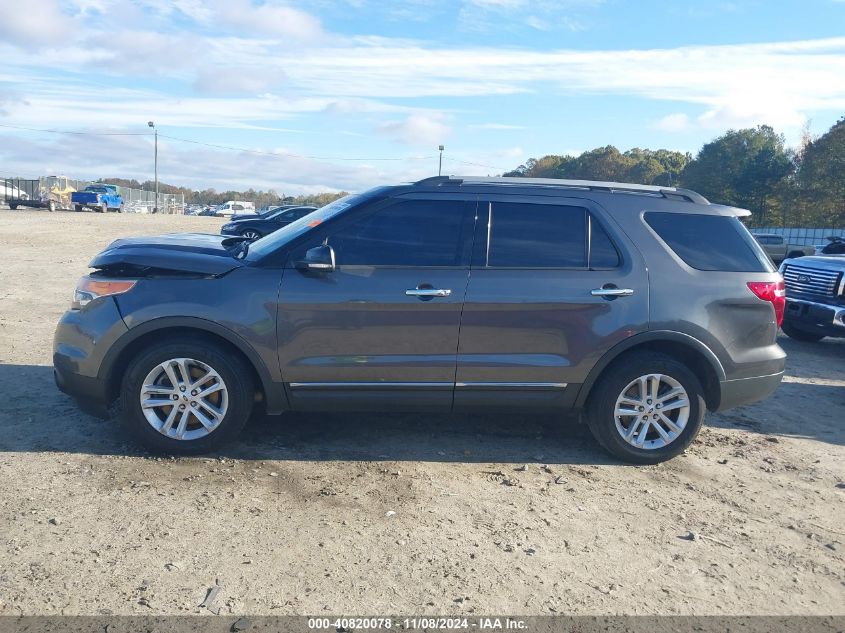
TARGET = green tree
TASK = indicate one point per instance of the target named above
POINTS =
(745, 168)
(821, 178)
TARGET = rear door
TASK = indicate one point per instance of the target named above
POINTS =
(554, 284)
(380, 331)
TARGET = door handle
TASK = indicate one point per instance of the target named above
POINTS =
(612, 292)
(428, 292)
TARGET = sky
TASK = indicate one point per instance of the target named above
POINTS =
(327, 95)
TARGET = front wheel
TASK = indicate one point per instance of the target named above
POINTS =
(51, 206)
(104, 208)
(186, 397)
(13, 206)
(251, 234)
(800, 335)
(646, 408)
(77, 208)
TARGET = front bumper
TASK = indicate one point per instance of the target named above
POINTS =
(82, 339)
(817, 318)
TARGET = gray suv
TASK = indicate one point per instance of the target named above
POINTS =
(642, 306)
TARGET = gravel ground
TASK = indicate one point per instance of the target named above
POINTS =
(401, 514)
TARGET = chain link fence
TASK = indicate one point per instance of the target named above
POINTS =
(54, 192)
(802, 236)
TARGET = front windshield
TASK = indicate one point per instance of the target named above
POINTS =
(266, 245)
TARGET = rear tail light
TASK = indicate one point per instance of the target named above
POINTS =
(773, 292)
(89, 289)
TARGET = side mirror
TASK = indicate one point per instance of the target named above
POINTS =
(318, 259)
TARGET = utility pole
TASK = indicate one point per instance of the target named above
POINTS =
(155, 155)
(440, 164)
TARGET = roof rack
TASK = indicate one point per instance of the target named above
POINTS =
(588, 185)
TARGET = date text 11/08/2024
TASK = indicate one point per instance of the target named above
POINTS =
(414, 623)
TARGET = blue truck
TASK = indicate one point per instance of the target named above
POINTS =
(100, 198)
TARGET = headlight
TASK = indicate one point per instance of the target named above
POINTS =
(227, 227)
(89, 289)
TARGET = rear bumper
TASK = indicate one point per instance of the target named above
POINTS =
(818, 318)
(735, 393)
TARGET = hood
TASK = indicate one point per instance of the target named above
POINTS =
(184, 252)
(828, 262)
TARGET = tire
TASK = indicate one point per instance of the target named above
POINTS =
(77, 208)
(13, 207)
(251, 234)
(103, 208)
(794, 254)
(800, 335)
(51, 206)
(119, 209)
(237, 397)
(608, 429)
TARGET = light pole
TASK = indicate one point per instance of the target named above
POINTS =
(440, 164)
(155, 129)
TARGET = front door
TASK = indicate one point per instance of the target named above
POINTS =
(381, 330)
(553, 286)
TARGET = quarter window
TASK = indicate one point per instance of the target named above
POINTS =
(710, 242)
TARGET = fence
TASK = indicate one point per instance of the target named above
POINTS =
(802, 236)
(40, 192)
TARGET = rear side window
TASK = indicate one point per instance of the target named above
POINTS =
(709, 242)
(537, 236)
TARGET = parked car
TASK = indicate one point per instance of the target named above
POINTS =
(644, 306)
(100, 198)
(835, 246)
(257, 227)
(263, 212)
(815, 297)
(779, 249)
(235, 206)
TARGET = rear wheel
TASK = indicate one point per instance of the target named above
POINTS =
(186, 397)
(800, 335)
(51, 206)
(646, 408)
(13, 206)
(77, 207)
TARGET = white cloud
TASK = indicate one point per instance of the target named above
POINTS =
(34, 23)
(231, 81)
(496, 126)
(269, 18)
(416, 129)
(677, 122)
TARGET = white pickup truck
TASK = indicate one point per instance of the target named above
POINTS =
(779, 249)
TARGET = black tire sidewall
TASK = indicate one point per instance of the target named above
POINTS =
(600, 408)
(800, 335)
(232, 370)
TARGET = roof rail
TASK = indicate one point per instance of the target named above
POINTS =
(590, 185)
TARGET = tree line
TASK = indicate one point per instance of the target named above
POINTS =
(750, 168)
(212, 197)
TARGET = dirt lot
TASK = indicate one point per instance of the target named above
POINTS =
(399, 514)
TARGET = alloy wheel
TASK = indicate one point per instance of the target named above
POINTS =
(252, 235)
(652, 411)
(184, 399)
